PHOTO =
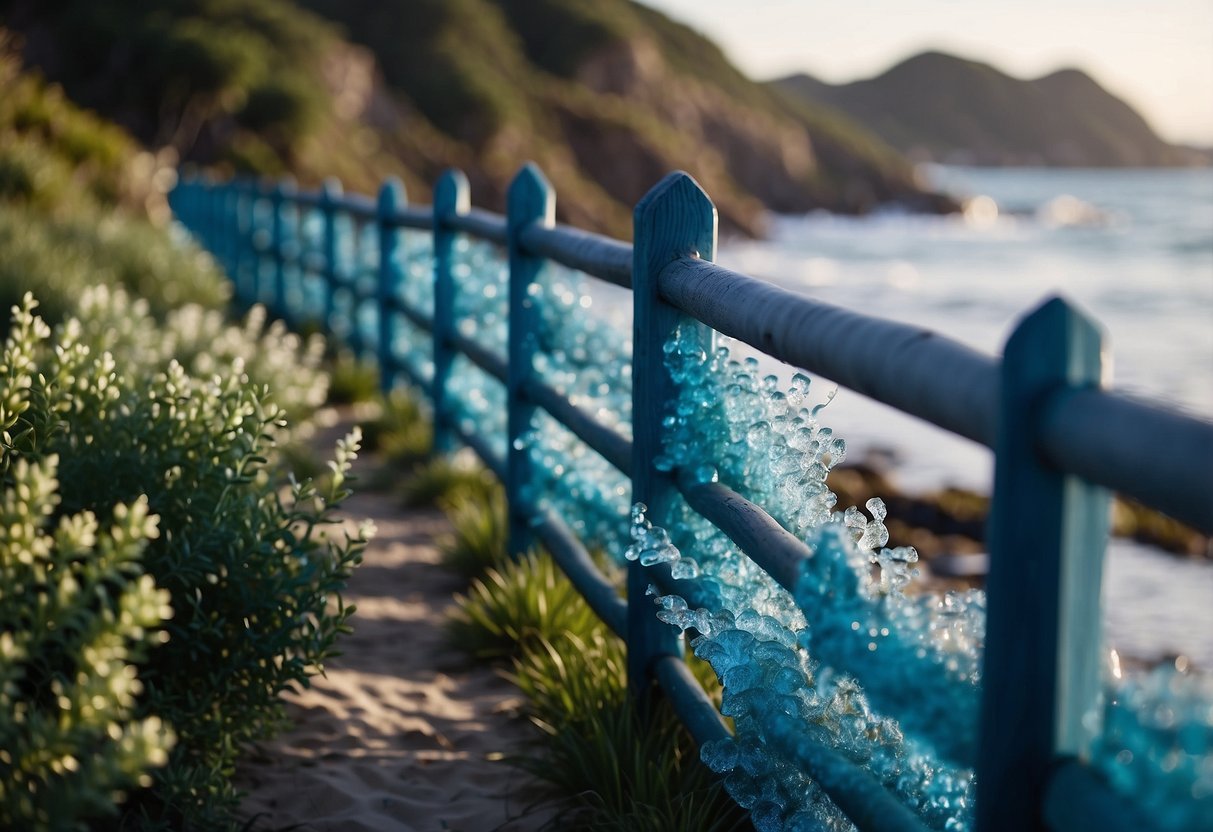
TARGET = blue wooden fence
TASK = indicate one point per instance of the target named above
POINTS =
(1061, 443)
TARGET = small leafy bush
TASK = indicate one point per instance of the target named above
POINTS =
(76, 613)
(143, 417)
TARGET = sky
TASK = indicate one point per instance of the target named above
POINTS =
(1155, 54)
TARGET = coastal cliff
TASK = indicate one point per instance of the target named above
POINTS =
(606, 97)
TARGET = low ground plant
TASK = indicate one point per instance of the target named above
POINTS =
(619, 767)
(443, 481)
(352, 380)
(253, 566)
(628, 769)
(523, 602)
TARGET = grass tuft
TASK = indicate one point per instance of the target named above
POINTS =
(517, 604)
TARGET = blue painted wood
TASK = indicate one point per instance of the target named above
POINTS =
(1048, 531)
(452, 197)
(279, 202)
(675, 219)
(231, 209)
(262, 222)
(330, 194)
(576, 562)
(599, 256)
(531, 201)
(1078, 799)
(391, 198)
(692, 704)
(610, 445)
(246, 261)
(853, 789)
(484, 225)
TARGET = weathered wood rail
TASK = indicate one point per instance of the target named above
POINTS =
(1061, 441)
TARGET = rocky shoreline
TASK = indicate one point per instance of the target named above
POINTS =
(947, 527)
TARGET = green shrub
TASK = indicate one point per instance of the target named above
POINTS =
(401, 434)
(76, 613)
(59, 260)
(352, 380)
(444, 481)
(30, 174)
(477, 542)
(522, 602)
(53, 154)
(619, 768)
(254, 566)
(626, 770)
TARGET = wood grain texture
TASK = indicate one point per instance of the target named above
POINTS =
(675, 219)
(602, 257)
(911, 368)
(1048, 532)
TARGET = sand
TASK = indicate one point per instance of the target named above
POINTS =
(401, 733)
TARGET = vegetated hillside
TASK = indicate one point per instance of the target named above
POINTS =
(607, 97)
(938, 107)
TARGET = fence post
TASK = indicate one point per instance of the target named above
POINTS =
(330, 193)
(239, 188)
(451, 197)
(257, 244)
(247, 291)
(278, 199)
(208, 205)
(232, 227)
(391, 198)
(675, 219)
(531, 200)
(1048, 532)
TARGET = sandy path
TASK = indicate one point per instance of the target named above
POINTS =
(400, 733)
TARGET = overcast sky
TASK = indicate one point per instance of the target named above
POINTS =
(1155, 54)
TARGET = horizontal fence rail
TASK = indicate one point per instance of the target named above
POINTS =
(1059, 440)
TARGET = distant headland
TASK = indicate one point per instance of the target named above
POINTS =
(942, 108)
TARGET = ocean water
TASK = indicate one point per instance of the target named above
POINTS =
(1133, 248)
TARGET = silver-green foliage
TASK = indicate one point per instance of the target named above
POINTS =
(174, 421)
(76, 613)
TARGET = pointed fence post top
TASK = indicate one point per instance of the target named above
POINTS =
(1058, 330)
(285, 186)
(330, 189)
(392, 197)
(676, 218)
(531, 198)
(452, 195)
